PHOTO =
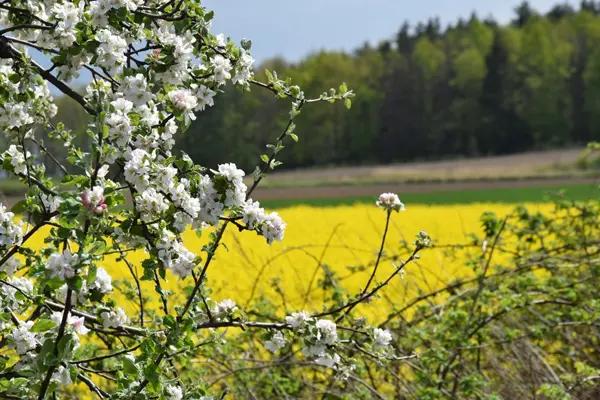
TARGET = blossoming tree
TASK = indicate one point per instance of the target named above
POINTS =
(152, 65)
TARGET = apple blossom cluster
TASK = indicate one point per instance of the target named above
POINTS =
(62, 375)
(224, 309)
(197, 201)
(390, 202)
(276, 342)
(11, 232)
(27, 100)
(173, 392)
(175, 256)
(114, 318)
(17, 158)
(102, 284)
(381, 337)
(13, 293)
(121, 189)
(111, 51)
(50, 202)
(66, 15)
(320, 339)
(25, 337)
(23, 340)
(62, 265)
(169, 59)
(76, 323)
(93, 200)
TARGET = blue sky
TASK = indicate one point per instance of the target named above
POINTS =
(295, 28)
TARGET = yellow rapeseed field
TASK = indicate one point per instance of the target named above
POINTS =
(338, 238)
(342, 237)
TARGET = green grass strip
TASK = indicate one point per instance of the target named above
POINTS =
(500, 195)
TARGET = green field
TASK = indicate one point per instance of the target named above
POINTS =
(516, 195)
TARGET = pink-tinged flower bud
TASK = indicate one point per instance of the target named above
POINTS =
(94, 200)
(85, 199)
(100, 209)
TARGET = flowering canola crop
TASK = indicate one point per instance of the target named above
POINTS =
(344, 239)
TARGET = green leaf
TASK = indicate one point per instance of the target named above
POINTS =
(129, 366)
(65, 347)
(43, 325)
(75, 283)
(151, 374)
(91, 277)
(46, 356)
(348, 103)
(269, 75)
(169, 321)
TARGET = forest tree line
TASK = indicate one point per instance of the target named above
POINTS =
(472, 88)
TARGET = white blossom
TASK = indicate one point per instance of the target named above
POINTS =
(114, 318)
(327, 331)
(224, 308)
(298, 320)
(135, 90)
(174, 255)
(320, 347)
(10, 266)
(276, 343)
(77, 323)
(390, 201)
(103, 281)
(231, 172)
(235, 194)
(119, 123)
(23, 339)
(221, 68)
(137, 169)
(328, 360)
(183, 99)
(314, 350)
(130, 5)
(243, 68)
(382, 337)
(15, 115)
(62, 265)
(11, 233)
(111, 51)
(68, 14)
(93, 200)
(62, 375)
(173, 392)
(50, 202)
(221, 40)
(151, 204)
(204, 97)
(17, 159)
(273, 227)
(252, 213)
(210, 206)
